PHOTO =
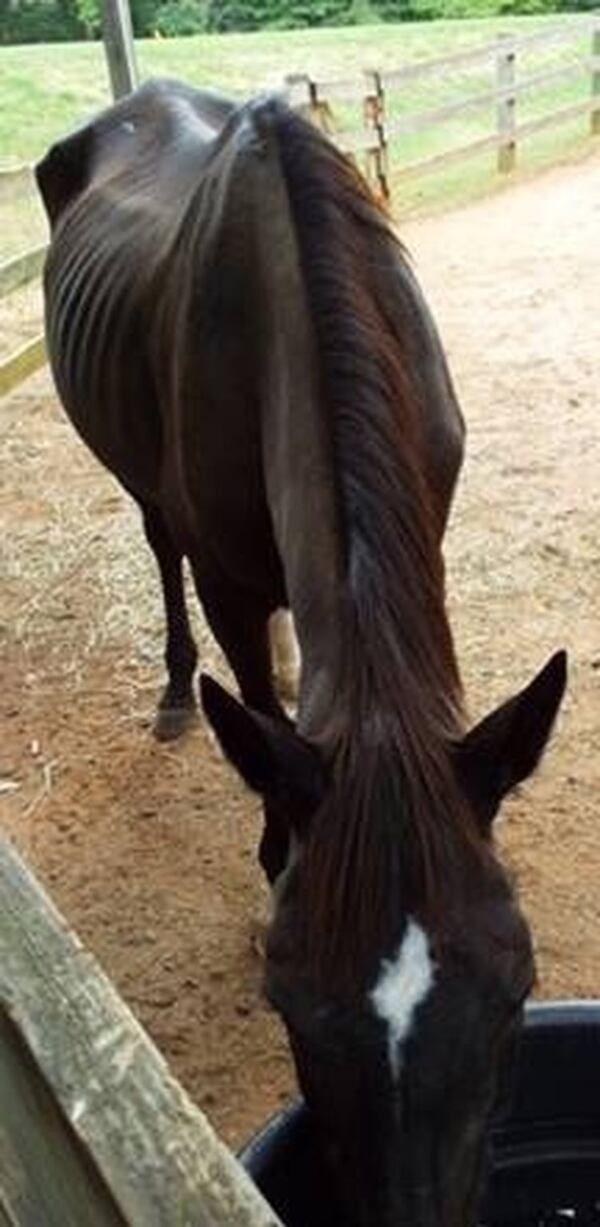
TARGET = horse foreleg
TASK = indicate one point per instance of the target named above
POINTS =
(285, 653)
(177, 706)
(239, 621)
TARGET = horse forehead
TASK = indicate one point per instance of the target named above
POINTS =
(404, 983)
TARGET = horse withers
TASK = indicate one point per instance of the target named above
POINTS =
(238, 335)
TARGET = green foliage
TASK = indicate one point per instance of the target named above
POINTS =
(38, 21)
(398, 10)
(88, 13)
(318, 12)
(175, 18)
(276, 14)
(244, 14)
(524, 8)
(34, 21)
(144, 16)
(427, 10)
(58, 20)
(361, 13)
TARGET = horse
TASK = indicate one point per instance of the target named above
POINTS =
(238, 334)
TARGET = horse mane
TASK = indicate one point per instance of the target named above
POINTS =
(387, 841)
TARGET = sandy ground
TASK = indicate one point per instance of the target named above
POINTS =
(149, 850)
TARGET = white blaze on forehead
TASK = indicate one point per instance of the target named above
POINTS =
(403, 984)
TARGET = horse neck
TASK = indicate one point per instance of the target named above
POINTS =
(359, 540)
(344, 460)
(393, 836)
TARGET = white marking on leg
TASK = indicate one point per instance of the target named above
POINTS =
(403, 985)
(286, 653)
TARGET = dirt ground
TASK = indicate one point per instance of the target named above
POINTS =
(150, 850)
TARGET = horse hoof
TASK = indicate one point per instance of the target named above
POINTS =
(173, 722)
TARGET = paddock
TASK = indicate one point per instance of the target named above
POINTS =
(150, 849)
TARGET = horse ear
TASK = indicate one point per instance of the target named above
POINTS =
(508, 744)
(268, 753)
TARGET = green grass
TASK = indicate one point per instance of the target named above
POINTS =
(47, 90)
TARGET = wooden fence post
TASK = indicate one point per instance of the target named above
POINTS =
(304, 96)
(374, 118)
(94, 1130)
(118, 45)
(374, 100)
(320, 109)
(595, 115)
(505, 80)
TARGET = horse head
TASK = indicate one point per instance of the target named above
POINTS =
(404, 1065)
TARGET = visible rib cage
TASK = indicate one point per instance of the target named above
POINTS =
(97, 266)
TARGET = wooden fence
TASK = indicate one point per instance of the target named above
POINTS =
(16, 185)
(379, 126)
(380, 130)
(94, 1129)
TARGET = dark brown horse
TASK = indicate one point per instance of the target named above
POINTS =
(237, 334)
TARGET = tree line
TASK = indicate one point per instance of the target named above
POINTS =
(60, 20)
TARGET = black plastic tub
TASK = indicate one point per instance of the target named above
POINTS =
(546, 1154)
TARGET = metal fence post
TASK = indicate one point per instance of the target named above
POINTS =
(118, 45)
(505, 80)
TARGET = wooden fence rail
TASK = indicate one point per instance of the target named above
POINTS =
(375, 93)
(18, 272)
(21, 364)
(14, 274)
(94, 1129)
(15, 182)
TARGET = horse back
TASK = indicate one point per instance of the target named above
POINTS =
(180, 308)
